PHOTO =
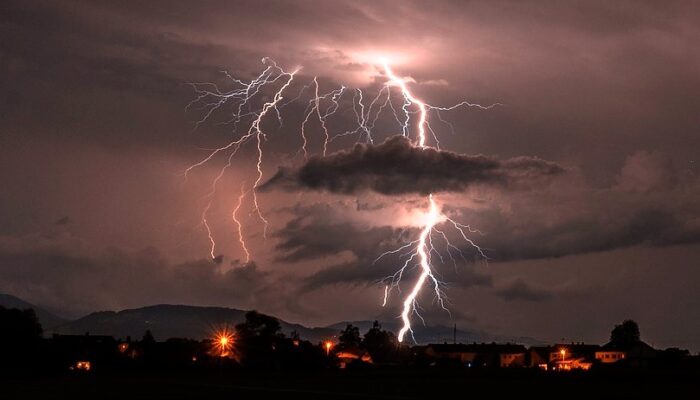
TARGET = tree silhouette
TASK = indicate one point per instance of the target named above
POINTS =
(349, 337)
(20, 338)
(19, 325)
(380, 344)
(148, 338)
(625, 335)
(258, 339)
(259, 325)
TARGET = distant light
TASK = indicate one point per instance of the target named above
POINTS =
(83, 365)
(223, 343)
(328, 345)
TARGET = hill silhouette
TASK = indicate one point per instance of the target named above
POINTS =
(47, 319)
(199, 322)
(167, 320)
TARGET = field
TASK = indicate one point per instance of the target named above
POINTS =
(369, 384)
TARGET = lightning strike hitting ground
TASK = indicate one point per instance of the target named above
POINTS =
(424, 245)
(209, 99)
(432, 217)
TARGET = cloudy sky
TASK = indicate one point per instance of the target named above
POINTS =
(583, 181)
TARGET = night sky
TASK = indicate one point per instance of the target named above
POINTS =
(583, 181)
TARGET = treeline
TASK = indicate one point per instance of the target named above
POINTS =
(259, 344)
(256, 343)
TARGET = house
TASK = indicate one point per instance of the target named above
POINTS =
(638, 354)
(509, 360)
(352, 354)
(538, 357)
(563, 357)
(479, 355)
(572, 364)
(83, 352)
(607, 355)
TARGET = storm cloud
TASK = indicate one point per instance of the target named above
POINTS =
(317, 231)
(521, 290)
(94, 129)
(62, 271)
(397, 167)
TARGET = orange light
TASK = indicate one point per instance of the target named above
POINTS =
(328, 344)
(83, 365)
(223, 343)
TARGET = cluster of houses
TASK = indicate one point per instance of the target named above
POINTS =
(559, 357)
(85, 352)
(82, 352)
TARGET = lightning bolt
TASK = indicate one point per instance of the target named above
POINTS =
(418, 254)
(208, 229)
(210, 98)
(259, 137)
(409, 99)
(411, 113)
(314, 107)
(423, 246)
(409, 303)
(234, 216)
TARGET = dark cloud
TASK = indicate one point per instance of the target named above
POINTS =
(396, 166)
(582, 234)
(93, 95)
(318, 231)
(519, 290)
(314, 232)
(62, 271)
(650, 204)
(367, 272)
(62, 221)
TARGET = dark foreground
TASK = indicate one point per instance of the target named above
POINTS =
(369, 384)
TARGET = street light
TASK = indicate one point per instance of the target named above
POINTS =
(223, 343)
(327, 345)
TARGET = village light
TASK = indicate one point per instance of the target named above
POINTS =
(223, 343)
(328, 344)
(82, 366)
(563, 354)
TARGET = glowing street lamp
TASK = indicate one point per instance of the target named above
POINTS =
(563, 354)
(223, 342)
(328, 345)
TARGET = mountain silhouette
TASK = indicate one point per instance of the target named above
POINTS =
(47, 319)
(166, 321)
(197, 322)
